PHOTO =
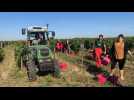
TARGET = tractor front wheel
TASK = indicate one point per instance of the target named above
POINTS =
(31, 70)
(56, 69)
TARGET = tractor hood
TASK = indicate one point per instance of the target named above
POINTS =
(41, 52)
(39, 46)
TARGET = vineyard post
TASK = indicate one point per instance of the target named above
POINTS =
(82, 58)
(0, 44)
(54, 53)
(21, 63)
(82, 50)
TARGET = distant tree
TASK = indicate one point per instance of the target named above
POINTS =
(1, 54)
(87, 44)
(75, 46)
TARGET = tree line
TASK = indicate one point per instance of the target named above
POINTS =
(75, 43)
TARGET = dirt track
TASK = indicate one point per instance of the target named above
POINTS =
(7, 64)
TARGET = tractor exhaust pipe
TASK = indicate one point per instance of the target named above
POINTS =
(47, 25)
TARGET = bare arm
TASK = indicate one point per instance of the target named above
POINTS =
(130, 53)
(104, 48)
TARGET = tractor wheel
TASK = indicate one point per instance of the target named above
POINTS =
(56, 69)
(31, 71)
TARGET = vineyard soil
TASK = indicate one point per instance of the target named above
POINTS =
(11, 76)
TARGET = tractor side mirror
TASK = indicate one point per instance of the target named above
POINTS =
(47, 34)
(23, 31)
(53, 34)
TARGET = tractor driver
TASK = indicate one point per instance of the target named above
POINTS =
(36, 40)
(41, 36)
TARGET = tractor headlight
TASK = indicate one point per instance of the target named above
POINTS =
(40, 61)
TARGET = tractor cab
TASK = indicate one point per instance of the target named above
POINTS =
(38, 35)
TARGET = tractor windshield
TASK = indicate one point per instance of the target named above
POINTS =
(36, 35)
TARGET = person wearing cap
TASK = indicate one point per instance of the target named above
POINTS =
(119, 53)
(99, 48)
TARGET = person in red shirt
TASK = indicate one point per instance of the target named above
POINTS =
(99, 45)
(61, 47)
(58, 46)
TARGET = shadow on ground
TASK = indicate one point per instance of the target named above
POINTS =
(44, 73)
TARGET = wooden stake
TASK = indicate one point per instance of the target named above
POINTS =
(21, 63)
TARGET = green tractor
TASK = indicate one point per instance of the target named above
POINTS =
(36, 55)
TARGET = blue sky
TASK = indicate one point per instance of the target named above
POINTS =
(68, 24)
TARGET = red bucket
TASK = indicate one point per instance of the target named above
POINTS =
(106, 60)
(101, 79)
(63, 66)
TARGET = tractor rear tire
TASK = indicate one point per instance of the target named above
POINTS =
(56, 69)
(31, 71)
